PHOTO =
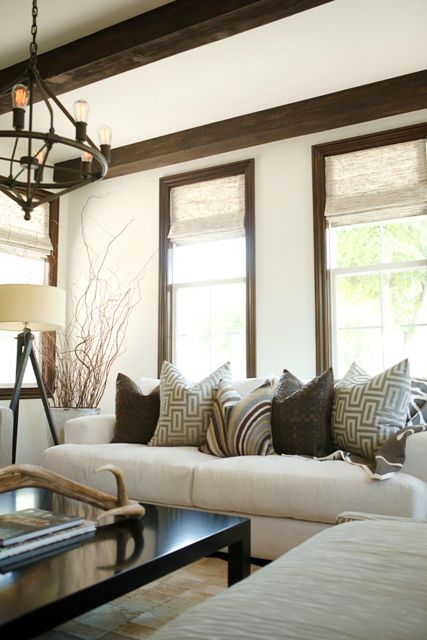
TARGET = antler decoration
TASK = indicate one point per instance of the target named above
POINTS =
(17, 476)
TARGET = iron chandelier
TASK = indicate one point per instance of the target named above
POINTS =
(29, 178)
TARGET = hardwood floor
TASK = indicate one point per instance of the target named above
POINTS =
(139, 613)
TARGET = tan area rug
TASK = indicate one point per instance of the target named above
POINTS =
(139, 613)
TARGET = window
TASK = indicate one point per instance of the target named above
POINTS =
(207, 271)
(370, 203)
(28, 254)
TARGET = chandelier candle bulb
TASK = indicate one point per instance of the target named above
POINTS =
(104, 136)
(81, 112)
(20, 94)
(39, 160)
(86, 163)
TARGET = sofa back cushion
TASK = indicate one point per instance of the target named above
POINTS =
(243, 386)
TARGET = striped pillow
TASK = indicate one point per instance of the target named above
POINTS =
(240, 427)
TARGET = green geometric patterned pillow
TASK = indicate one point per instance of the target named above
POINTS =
(367, 411)
(185, 408)
(240, 427)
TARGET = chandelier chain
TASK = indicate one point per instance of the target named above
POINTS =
(33, 45)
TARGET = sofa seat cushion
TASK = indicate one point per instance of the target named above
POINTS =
(153, 474)
(303, 488)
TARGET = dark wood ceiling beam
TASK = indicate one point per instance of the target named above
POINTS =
(351, 106)
(162, 32)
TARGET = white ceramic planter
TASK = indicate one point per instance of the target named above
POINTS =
(62, 414)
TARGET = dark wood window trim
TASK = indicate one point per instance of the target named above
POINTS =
(321, 274)
(52, 279)
(166, 184)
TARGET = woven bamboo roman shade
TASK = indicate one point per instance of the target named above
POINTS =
(29, 238)
(208, 210)
(376, 184)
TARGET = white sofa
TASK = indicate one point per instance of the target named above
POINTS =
(288, 498)
(356, 581)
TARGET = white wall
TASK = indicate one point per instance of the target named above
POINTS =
(284, 249)
(284, 258)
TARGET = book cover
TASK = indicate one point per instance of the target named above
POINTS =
(50, 541)
(31, 523)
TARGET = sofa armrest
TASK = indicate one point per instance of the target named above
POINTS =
(90, 429)
(354, 516)
(6, 428)
(416, 456)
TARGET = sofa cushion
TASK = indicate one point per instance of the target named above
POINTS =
(301, 415)
(240, 426)
(302, 488)
(185, 408)
(136, 414)
(152, 474)
(367, 411)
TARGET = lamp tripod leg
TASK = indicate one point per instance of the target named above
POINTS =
(15, 432)
(24, 347)
(43, 395)
(25, 350)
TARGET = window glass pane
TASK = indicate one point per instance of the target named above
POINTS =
(209, 261)
(405, 240)
(363, 346)
(407, 342)
(191, 335)
(388, 303)
(15, 269)
(358, 300)
(210, 329)
(405, 297)
(229, 327)
(356, 246)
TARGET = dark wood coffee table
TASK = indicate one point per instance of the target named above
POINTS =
(119, 558)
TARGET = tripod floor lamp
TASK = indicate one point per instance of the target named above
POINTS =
(27, 308)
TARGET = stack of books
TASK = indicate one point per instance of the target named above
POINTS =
(28, 533)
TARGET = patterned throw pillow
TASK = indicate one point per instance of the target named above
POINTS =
(136, 413)
(240, 427)
(367, 411)
(185, 408)
(301, 415)
(417, 412)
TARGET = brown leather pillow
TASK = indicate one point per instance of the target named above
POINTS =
(136, 414)
(301, 415)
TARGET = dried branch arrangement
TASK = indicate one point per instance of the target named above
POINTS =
(83, 354)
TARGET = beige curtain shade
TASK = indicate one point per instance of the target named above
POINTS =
(376, 184)
(40, 307)
(208, 210)
(29, 238)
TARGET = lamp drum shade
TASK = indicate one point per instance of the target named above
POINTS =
(39, 307)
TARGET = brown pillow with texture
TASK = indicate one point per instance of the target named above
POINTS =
(136, 414)
(301, 415)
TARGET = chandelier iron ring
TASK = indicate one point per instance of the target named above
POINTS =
(52, 138)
